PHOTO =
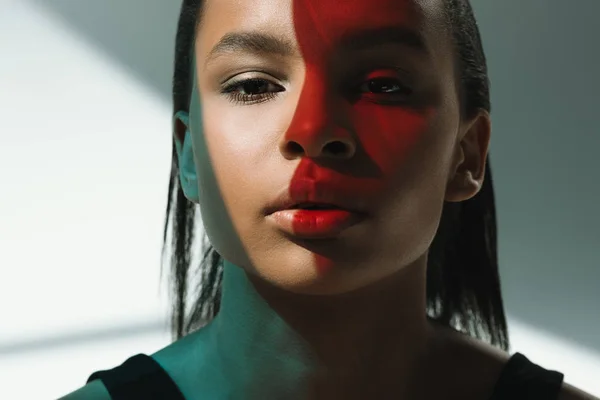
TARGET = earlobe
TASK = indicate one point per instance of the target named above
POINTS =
(462, 187)
(182, 140)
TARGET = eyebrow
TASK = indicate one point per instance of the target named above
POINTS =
(395, 34)
(252, 42)
(269, 44)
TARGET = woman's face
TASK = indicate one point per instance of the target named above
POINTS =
(349, 104)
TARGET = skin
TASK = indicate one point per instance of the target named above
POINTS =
(345, 317)
(403, 154)
(411, 152)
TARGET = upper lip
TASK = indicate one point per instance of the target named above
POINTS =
(305, 193)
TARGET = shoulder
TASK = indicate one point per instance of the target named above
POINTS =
(94, 390)
(487, 363)
(465, 366)
(569, 392)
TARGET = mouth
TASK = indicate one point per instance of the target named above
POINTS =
(314, 206)
(314, 220)
(307, 206)
(313, 209)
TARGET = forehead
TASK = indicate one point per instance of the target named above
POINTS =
(320, 21)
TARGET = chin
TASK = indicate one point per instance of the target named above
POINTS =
(308, 271)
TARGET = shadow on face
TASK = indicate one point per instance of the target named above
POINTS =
(334, 135)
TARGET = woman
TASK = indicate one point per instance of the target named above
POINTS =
(338, 153)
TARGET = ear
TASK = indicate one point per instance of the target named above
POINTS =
(182, 139)
(468, 167)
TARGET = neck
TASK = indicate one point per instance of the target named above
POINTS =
(274, 342)
(260, 354)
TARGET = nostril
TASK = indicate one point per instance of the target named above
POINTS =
(332, 149)
(336, 148)
(294, 148)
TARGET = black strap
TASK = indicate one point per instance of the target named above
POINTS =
(523, 380)
(138, 378)
(142, 378)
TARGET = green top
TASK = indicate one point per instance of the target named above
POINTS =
(246, 351)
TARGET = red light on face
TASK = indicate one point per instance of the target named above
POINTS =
(384, 133)
(315, 224)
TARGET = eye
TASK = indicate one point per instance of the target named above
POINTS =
(251, 90)
(384, 85)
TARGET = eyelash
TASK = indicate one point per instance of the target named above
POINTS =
(244, 98)
(231, 91)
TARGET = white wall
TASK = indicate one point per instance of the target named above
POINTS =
(84, 157)
(84, 164)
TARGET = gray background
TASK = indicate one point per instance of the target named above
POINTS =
(544, 65)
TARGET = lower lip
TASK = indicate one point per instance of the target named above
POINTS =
(315, 224)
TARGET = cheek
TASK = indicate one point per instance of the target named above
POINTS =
(389, 135)
(241, 137)
(412, 149)
(406, 145)
(216, 214)
(237, 165)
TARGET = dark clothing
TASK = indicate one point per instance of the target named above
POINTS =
(142, 378)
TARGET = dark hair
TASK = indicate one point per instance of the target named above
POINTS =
(463, 285)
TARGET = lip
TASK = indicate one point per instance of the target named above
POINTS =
(317, 192)
(342, 209)
(315, 224)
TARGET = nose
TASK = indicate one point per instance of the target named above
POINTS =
(316, 131)
(337, 148)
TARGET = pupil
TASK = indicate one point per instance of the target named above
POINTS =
(254, 87)
(382, 85)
